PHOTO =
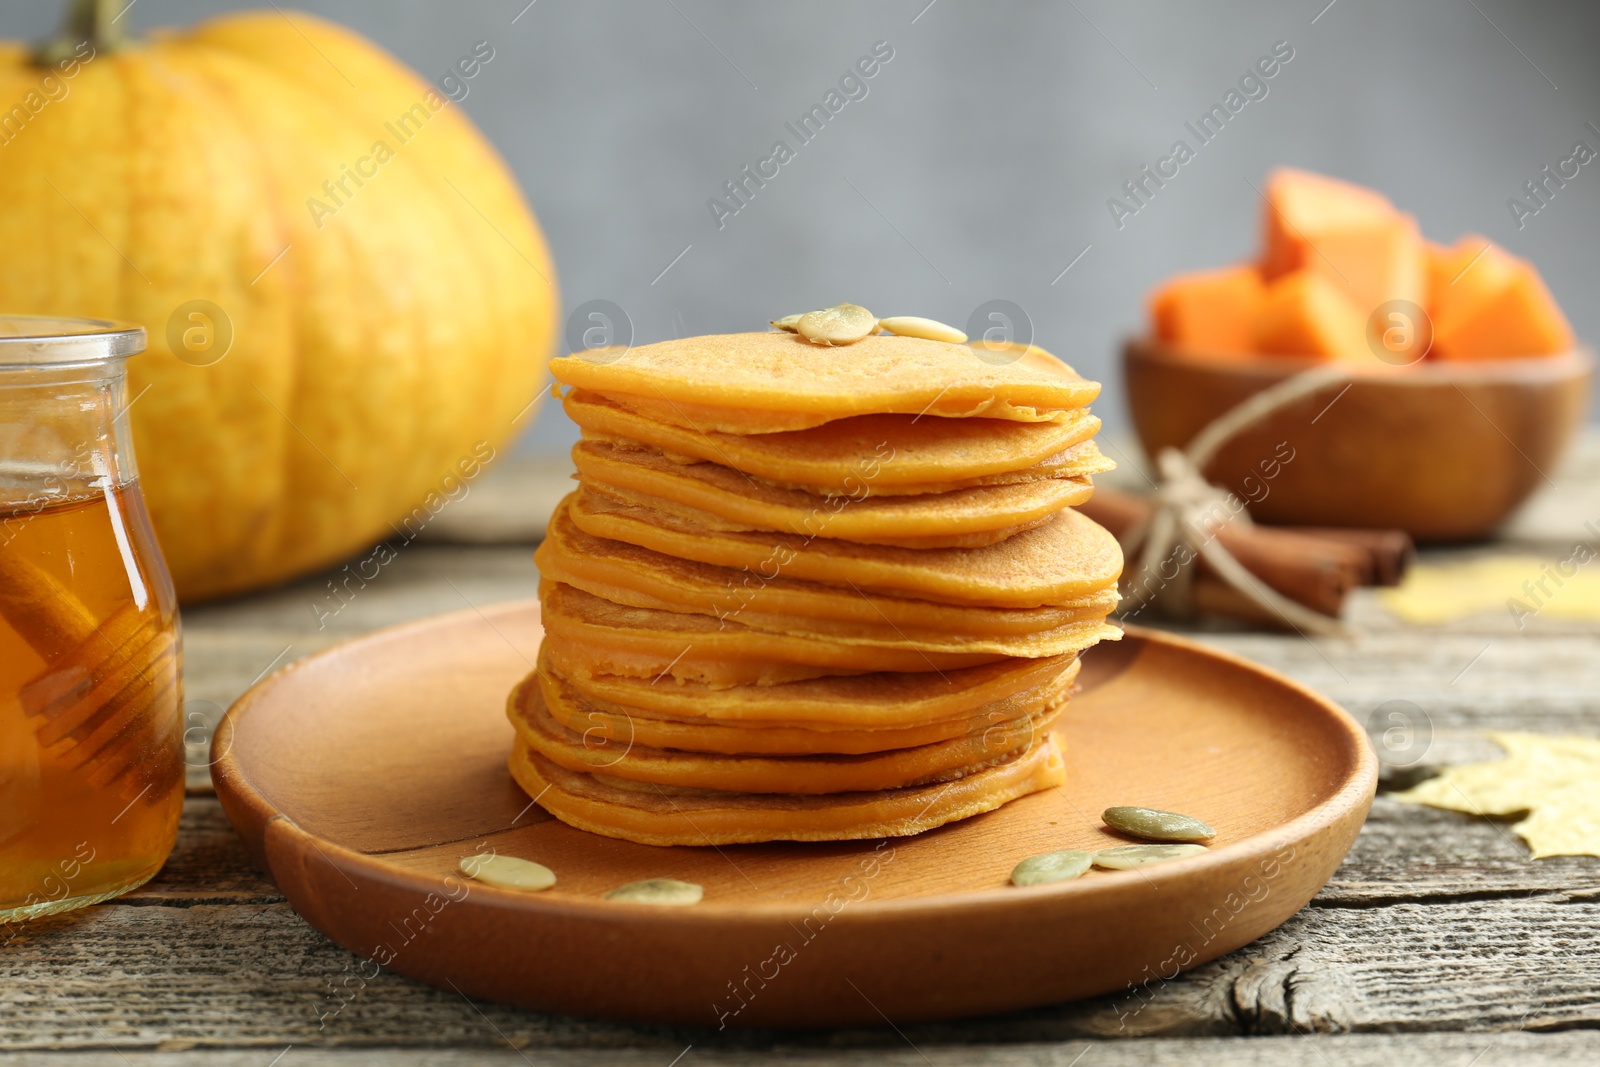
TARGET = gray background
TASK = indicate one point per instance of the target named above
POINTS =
(979, 164)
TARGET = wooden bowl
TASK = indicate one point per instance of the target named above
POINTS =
(1444, 451)
(360, 776)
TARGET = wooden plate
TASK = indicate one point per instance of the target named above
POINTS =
(358, 777)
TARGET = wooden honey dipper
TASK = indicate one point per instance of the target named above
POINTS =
(103, 683)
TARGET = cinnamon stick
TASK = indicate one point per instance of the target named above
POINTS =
(1391, 552)
(1315, 571)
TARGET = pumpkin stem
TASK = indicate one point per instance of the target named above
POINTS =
(100, 23)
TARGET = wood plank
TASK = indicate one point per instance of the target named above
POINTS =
(208, 866)
(253, 974)
(1409, 853)
(1559, 514)
(1466, 675)
(890, 1050)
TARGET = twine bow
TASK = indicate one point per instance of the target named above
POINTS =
(1191, 512)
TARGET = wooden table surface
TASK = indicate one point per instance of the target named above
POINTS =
(1437, 941)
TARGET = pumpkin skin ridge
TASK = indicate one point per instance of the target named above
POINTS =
(435, 386)
(224, 96)
(265, 519)
(465, 217)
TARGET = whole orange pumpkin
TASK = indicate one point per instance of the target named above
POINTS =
(349, 303)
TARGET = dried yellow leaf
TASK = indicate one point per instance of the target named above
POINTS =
(1556, 780)
(1521, 586)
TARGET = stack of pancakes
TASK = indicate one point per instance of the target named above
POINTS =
(811, 593)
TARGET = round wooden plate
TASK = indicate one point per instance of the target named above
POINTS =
(360, 776)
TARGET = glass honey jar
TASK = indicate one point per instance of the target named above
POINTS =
(91, 728)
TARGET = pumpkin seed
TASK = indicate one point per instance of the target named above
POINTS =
(658, 891)
(842, 324)
(1153, 825)
(1051, 867)
(1127, 857)
(508, 872)
(928, 329)
(787, 323)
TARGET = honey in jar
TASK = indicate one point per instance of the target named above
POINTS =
(91, 734)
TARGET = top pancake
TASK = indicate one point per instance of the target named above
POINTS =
(766, 382)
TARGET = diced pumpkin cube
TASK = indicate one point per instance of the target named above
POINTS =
(1466, 275)
(1304, 314)
(1351, 235)
(1305, 199)
(1209, 311)
(1517, 318)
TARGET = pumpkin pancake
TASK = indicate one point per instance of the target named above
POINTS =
(815, 523)
(638, 577)
(596, 636)
(808, 773)
(877, 700)
(1066, 636)
(767, 382)
(811, 593)
(1076, 461)
(654, 814)
(588, 635)
(1060, 561)
(601, 722)
(718, 497)
(884, 453)
(1031, 644)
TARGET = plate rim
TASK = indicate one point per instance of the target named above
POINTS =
(233, 786)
